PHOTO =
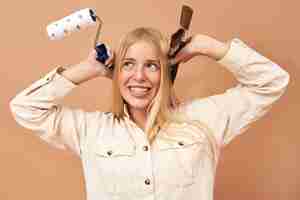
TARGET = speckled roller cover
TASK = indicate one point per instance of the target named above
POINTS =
(76, 21)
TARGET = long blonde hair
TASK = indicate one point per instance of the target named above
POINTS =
(162, 109)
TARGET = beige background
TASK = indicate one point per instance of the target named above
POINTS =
(262, 164)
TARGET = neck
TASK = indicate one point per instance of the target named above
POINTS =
(139, 117)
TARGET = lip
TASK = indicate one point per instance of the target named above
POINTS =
(137, 93)
(139, 86)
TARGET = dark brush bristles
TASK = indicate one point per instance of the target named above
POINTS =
(176, 40)
(186, 17)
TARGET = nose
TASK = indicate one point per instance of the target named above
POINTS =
(139, 74)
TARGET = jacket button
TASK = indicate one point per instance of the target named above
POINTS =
(147, 181)
(109, 152)
(180, 143)
(145, 148)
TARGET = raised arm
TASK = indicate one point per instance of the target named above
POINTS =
(87, 69)
(261, 82)
(37, 107)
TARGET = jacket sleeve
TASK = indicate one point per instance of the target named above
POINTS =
(37, 108)
(261, 82)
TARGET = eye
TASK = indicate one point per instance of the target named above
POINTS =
(152, 67)
(127, 65)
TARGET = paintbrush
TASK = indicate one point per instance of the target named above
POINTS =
(178, 40)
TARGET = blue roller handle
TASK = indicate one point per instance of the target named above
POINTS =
(102, 53)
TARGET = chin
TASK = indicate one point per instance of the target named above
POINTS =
(138, 104)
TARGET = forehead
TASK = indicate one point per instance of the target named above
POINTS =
(142, 50)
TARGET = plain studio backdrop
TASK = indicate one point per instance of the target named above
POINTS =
(261, 164)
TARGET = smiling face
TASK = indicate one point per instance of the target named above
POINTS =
(140, 75)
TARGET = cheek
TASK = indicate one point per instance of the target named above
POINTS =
(124, 79)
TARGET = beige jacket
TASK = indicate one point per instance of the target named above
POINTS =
(117, 160)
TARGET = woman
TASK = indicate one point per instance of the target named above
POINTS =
(151, 146)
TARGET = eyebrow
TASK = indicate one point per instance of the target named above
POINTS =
(148, 60)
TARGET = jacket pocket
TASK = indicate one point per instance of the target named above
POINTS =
(180, 160)
(117, 166)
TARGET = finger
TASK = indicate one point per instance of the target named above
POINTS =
(179, 56)
(182, 56)
(93, 54)
(110, 59)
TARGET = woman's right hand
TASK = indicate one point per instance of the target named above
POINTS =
(99, 68)
(88, 69)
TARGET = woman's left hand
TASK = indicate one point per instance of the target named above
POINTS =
(202, 45)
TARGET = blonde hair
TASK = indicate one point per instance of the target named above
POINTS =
(162, 109)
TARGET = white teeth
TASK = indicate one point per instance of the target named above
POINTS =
(139, 91)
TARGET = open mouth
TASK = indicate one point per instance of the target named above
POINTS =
(139, 91)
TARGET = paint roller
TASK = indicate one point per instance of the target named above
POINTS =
(77, 21)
